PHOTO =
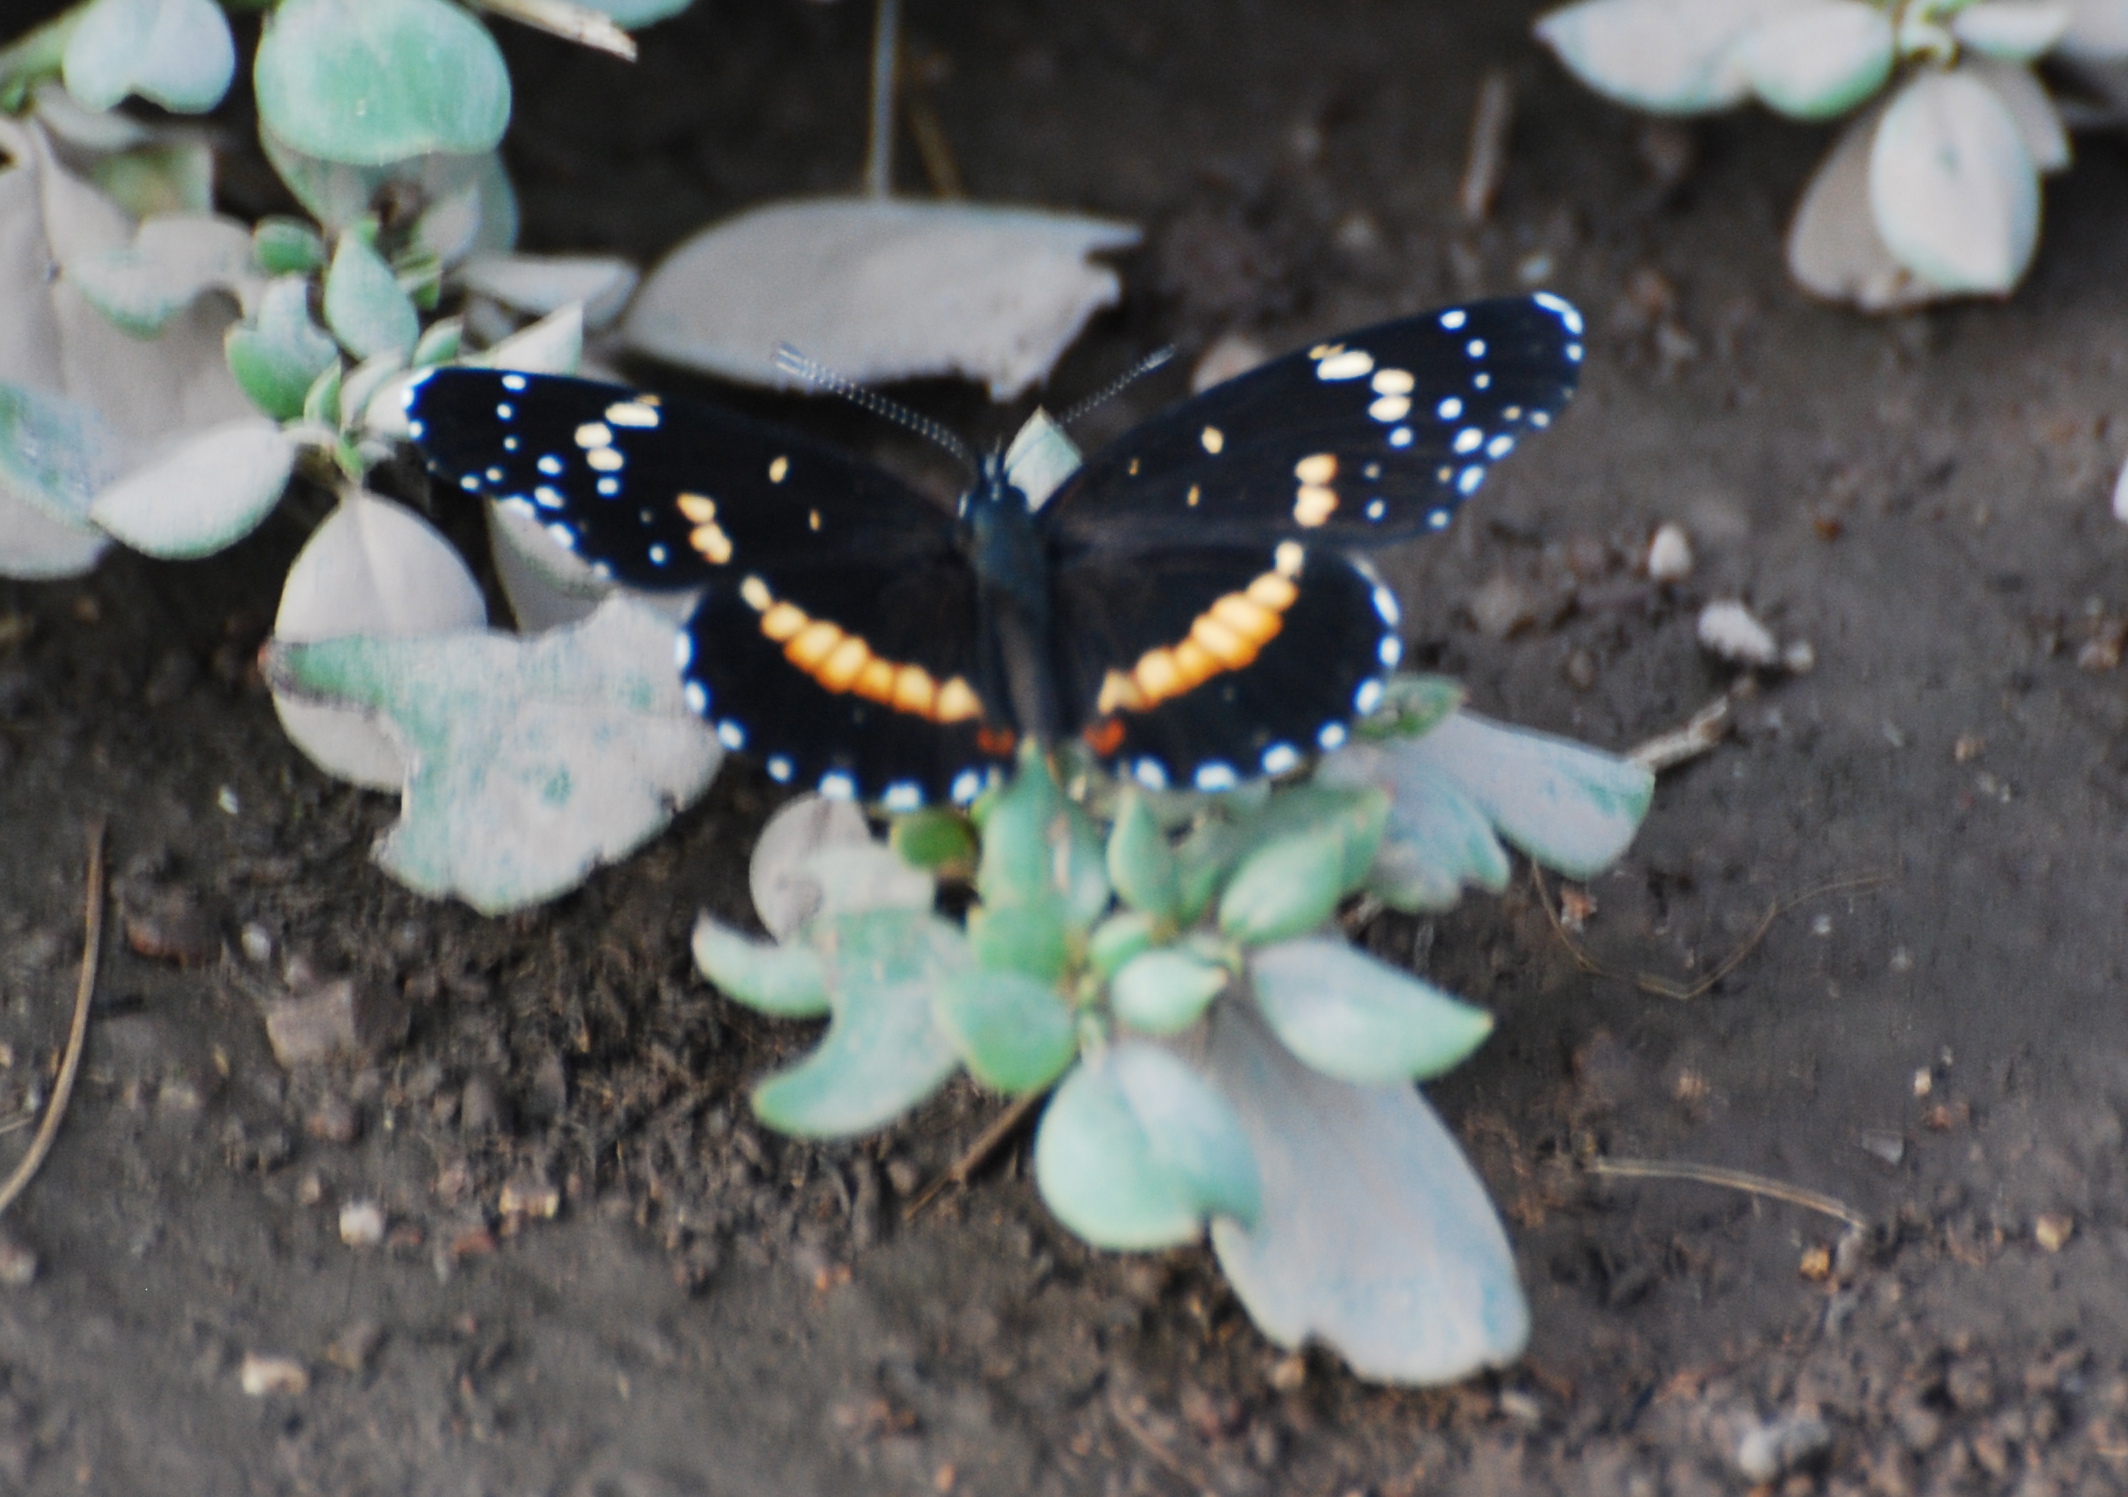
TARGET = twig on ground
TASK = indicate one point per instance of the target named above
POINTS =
(77, 1037)
(1170, 1462)
(1663, 987)
(941, 168)
(977, 1154)
(1701, 732)
(1714, 1174)
(1490, 125)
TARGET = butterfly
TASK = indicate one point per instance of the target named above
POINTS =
(1187, 602)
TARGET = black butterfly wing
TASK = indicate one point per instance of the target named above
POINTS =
(837, 633)
(1375, 436)
(652, 491)
(1205, 665)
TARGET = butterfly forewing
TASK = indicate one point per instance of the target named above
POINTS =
(1203, 666)
(1374, 436)
(656, 492)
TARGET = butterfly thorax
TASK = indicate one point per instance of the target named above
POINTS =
(1005, 547)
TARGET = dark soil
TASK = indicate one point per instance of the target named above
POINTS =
(1931, 1029)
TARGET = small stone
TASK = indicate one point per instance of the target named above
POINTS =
(261, 1375)
(1799, 657)
(479, 1109)
(2053, 1230)
(1816, 1265)
(335, 1121)
(362, 1224)
(310, 1190)
(1669, 554)
(168, 925)
(1889, 1147)
(18, 1265)
(352, 1349)
(1771, 1449)
(1732, 632)
(530, 1198)
(1230, 356)
(1501, 607)
(338, 1019)
(256, 942)
(1289, 1373)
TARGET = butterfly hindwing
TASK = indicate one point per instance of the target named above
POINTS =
(1371, 437)
(657, 492)
(853, 674)
(1203, 666)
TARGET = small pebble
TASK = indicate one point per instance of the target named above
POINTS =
(1799, 658)
(257, 943)
(2054, 1230)
(1289, 1373)
(352, 1349)
(530, 1198)
(1733, 632)
(340, 1018)
(1889, 1147)
(261, 1375)
(18, 1265)
(1669, 554)
(335, 1121)
(1769, 1450)
(362, 1224)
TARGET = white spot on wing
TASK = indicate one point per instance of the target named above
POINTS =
(1347, 363)
(1279, 758)
(511, 382)
(779, 769)
(1449, 409)
(835, 785)
(1331, 736)
(1150, 773)
(967, 785)
(1454, 320)
(1468, 439)
(905, 796)
(1367, 698)
(731, 734)
(697, 698)
(1216, 776)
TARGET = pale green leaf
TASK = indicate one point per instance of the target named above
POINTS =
(176, 52)
(1669, 56)
(529, 762)
(1135, 1151)
(1952, 185)
(785, 979)
(1013, 1031)
(280, 354)
(1820, 61)
(364, 306)
(1375, 1237)
(204, 493)
(1352, 1017)
(375, 81)
(1166, 990)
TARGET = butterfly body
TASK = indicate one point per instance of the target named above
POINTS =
(1188, 603)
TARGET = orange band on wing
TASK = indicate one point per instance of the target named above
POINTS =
(1225, 637)
(840, 661)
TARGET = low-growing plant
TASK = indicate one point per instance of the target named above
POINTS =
(1933, 190)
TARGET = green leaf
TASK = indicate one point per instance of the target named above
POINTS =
(1116, 940)
(55, 453)
(364, 306)
(173, 259)
(883, 1052)
(1014, 1032)
(1031, 938)
(287, 246)
(1357, 1019)
(439, 343)
(1669, 56)
(2013, 30)
(1412, 705)
(937, 839)
(1135, 1151)
(1284, 888)
(321, 402)
(175, 52)
(1019, 855)
(784, 979)
(171, 176)
(1437, 840)
(279, 355)
(1141, 864)
(376, 81)
(1821, 61)
(1165, 990)
(1202, 863)
(205, 493)
(1567, 805)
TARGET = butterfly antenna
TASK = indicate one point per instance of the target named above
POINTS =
(791, 361)
(1118, 385)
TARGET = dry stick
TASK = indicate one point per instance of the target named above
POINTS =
(1714, 1174)
(932, 147)
(70, 1064)
(1172, 1463)
(576, 23)
(1489, 127)
(1701, 732)
(1663, 987)
(977, 1154)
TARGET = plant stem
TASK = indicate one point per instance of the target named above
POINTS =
(36, 55)
(886, 60)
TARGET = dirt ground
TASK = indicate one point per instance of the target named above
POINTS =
(1931, 1030)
